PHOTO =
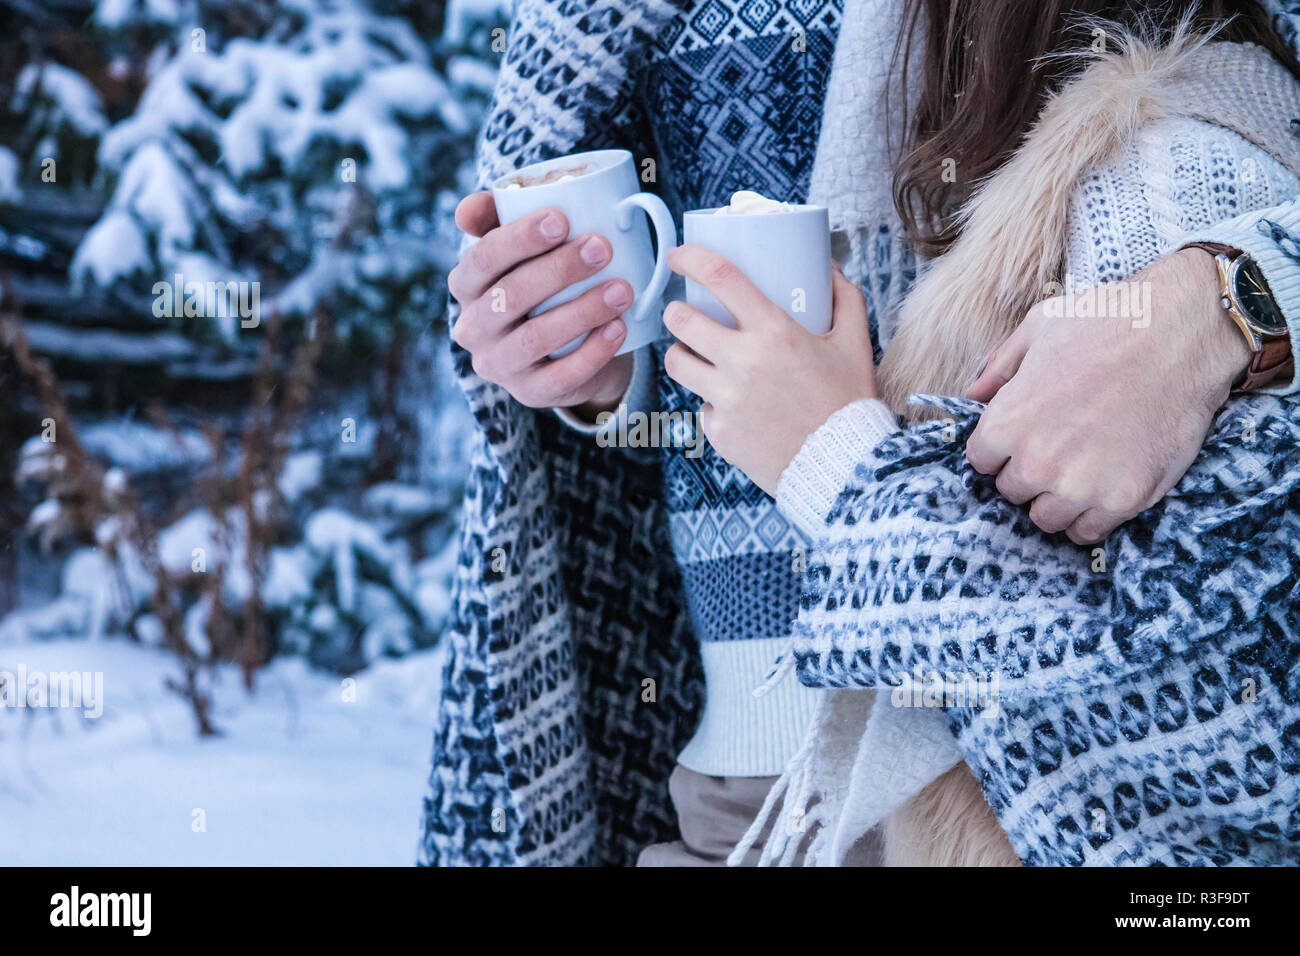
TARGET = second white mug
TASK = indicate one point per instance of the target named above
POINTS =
(786, 254)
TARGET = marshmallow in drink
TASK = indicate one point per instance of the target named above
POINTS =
(745, 202)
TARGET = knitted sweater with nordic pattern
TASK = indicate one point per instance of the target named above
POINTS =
(735, 104)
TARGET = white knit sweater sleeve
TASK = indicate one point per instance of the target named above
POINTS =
(828, 459)
(1181, 181)
(1179, 178)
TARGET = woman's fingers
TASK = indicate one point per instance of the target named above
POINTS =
(689, 371)
(705, 420)
(701, 334)
(849, 308)
(738, 295)
(850, 330)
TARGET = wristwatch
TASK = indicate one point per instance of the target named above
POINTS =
(1245, 294)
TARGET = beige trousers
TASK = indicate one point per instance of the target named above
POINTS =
(946, 824)
(713, 814)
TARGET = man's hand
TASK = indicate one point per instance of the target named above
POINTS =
(1094, 419)
(513, 269)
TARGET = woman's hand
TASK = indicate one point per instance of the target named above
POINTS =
(769, 383)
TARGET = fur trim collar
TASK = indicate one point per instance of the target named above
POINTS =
(1013, 240)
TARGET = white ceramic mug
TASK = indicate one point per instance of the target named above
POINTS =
(786, 254)
(604, 198)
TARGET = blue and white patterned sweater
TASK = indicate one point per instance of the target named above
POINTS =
(1148, 706)
(735, 104)
(732, 103)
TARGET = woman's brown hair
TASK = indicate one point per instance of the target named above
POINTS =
(989, 66)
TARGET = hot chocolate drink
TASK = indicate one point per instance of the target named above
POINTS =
(550, 176)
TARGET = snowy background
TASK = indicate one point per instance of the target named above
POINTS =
(239, 519)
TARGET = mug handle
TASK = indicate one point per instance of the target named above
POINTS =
(665, 237)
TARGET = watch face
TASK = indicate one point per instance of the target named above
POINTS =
(1254, 299)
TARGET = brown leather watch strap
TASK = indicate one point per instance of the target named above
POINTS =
(1216, 249)
(1274, 360)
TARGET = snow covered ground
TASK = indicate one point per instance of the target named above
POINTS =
(310, 770)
